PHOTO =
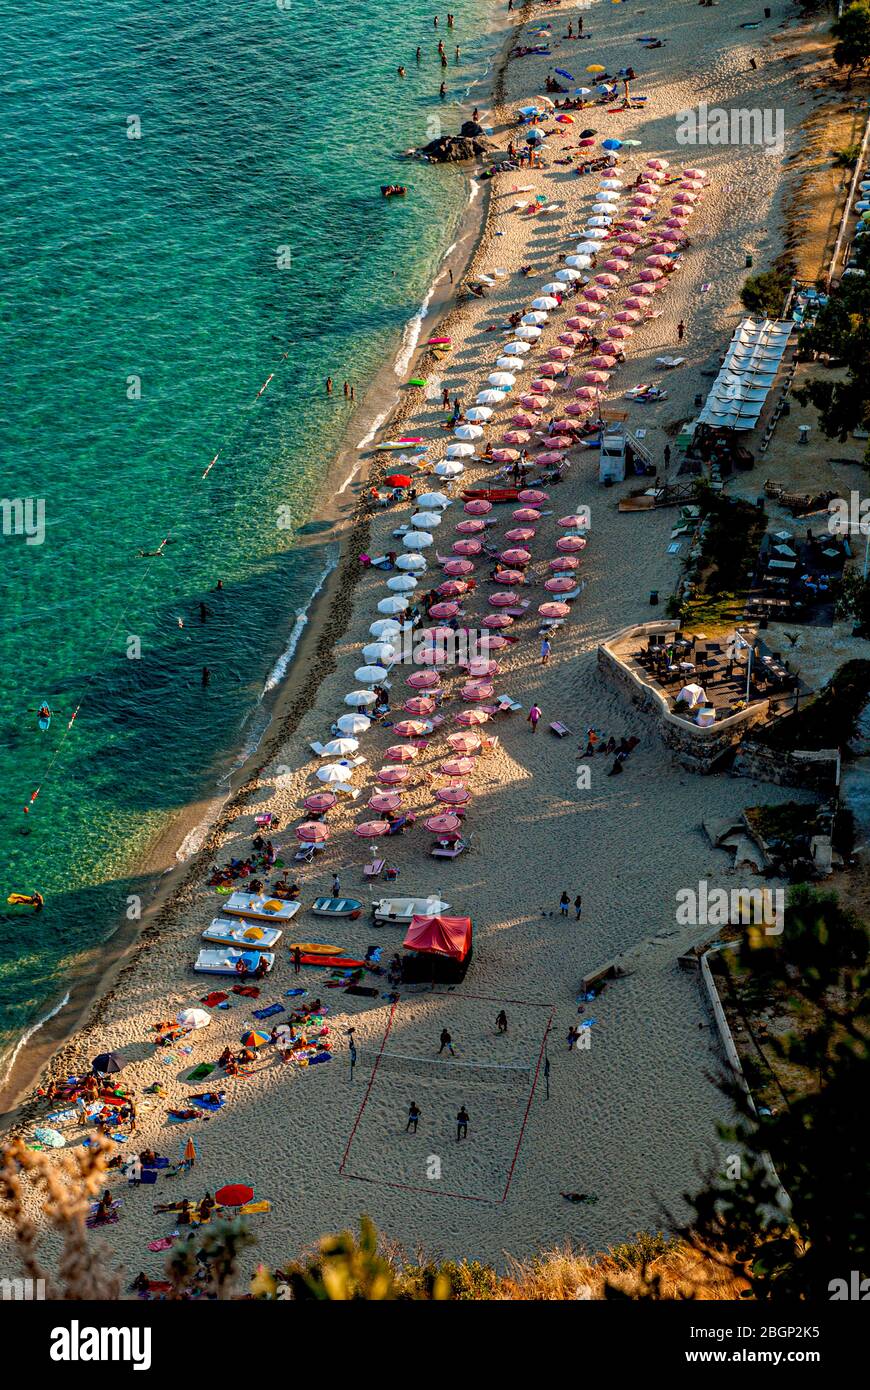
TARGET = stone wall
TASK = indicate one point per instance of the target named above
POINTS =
(698, 750)
(816, 771)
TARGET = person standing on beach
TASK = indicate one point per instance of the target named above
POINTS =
(329, 386)
(681, 328)
(450, 273)
(501, 1022)
(533, 716)
(666, 455)
(297, 960)
(445, 398)
(545, 650)
(414, 1113)
(578, 905)
(336, 886)
(446, 1041)
(564, 904)
(462, 1124)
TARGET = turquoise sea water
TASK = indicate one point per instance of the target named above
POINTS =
(265, 133)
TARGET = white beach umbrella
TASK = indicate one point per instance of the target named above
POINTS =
(353, 723)
(492, 397)
(468, 431)
(478, 413)
(607, 195)
(425, 519)
(536, 317)
(434, 499)
(553, 287)
(370, 675)
(579, 262)
(193, 1018)
(380, 652)
(516, 349)
(385, 629)
(510, 364)
(339, 747)
(412, 563)
(417, 540)
(333, 772)
(568, 274)
(401, 584)
(587, 248)
(502, 378)
(461, 451)
(545, 301)
(356, 698)
(528, 332)
(394, 604)
(611, 183)
(599, 220)
(593, 233)
(448, 470)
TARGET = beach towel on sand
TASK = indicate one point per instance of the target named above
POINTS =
(164, 1243)
(363, 990)
(249, 991)
(210, 1104)
(202, 1071)
(217, 996)
(267, 1013)
(157, 1163)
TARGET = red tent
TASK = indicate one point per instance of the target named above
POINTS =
(440, 936)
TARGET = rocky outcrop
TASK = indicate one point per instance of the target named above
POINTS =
(452, 149)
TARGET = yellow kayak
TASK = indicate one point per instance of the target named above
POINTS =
(314, 948)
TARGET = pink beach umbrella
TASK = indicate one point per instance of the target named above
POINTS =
(445, 610)
(385, 801)
(572, 521)
(504, 598)
(580, 408)
(517, 437)
(559, 354)
(424, 680)
(432, 635)
(595, 378)
(496, 643)
(481, 669)
(458, 767)
(533, 495)
(411, 728)
(659, 248)
(504, 455)
(515, 555)
(549, 369)
(320, 802)
(402, 753)
(658, 164)
(615, 264)
(392, 775)
(605, 278)
(586, 393)
(453, 796)
(470, 528)
(456, 567)
(548, 457)
(558, 586)
(478, 506)
(371, 829)
(535, 403)
(554, 610)
(622, 331)
(643, 289)
(452, 588)
(581, 322)
(564, 562)
(465, 743)
(520, 534)
(694, 173)
(650, 274)
(685, 199)
(529, 514)
(564, 440)
(466, 548)
(660, 262)
(543, 387)
(469, 717)
(675, 222)
(419, 704)
(477, 690)
(312, 832)
(632, 238)
(567, 544)
(496, 620)
(597, 293)
(670, 237)
(570, 339)
(433, 656)
(627, 316)
(523, 419)
(603, 361)
(444, 824)
(635, 302)
(609, 348)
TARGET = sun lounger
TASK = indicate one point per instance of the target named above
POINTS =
(373, 868)
(670, 361)
(450, 851)
(507, 705)
(346, 790)
(559, 729)
(638, 390)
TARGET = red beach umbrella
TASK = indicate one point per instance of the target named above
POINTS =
(458, 767)
(564, 562)
(478, 506)
(401, 753)
(468, 717)
(554, 610)
(452, 588)
(466, 547)
(397, 480)
(423, 680)
(470, 528)
(391, 776)
(458, 567)
(312, 832)
(371, 829)
(520, 533)
(558, 586)
(443, 824)
(528, 513)
(567, 544)
(510, 577)
(419, 704)
(411, 728)
(493, 620)
(234, 1195)
(475, 690)
(503, 599)
(533, 495)
(465, 743)
(444, 610)
(320, 801)
(384, 801)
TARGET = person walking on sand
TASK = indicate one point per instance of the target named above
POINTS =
(336, 886)
(414, 1113)
(545, 650)
(578, 906)
(445, 398)
(666, 455)
(446, 1041)
(501, 1021)
(681, 328)
(297, 960)
(462, 1124)
(591, 740)
(564, 904)
(533, 716)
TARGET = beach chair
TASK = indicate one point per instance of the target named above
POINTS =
(373, 868)
(346, 790)
(559, 729)
(508, 705)
(316, 748)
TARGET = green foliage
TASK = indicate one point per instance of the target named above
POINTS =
(640, 1252)
(842, 332)
(730, 541)
(852, 34)
(466, 1281)
(846, 158)
(827, 720)
(765, 293)
(813, 1137)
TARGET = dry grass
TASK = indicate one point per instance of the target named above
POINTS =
(679, 1272)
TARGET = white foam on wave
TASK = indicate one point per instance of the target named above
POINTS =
(411, 335)
(28, 1034)
(279, 670)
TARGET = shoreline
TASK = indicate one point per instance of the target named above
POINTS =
(328, 616)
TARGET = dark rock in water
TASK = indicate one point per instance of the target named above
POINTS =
(470, 130)
(451, 149)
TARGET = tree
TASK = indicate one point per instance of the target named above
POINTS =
(842, 331)
(813, 1139)
(852, 32)
(765, 293)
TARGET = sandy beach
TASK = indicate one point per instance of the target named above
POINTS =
(630, 1120)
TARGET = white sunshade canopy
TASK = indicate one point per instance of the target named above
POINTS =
(379, 652)
(369, 675)
(339, 747)
(417, 540)
(425, 519)
(468, 431)
(461, 451)
(353, 723)
(401, 584)
(385, 629)
(449, 470)
(411, 562)
(528, 332)
(516, 349)
(478, 412)
(502, 378)
(393, 604)
(545, 301)
(536, 317)
(360, 697)
(434, 499)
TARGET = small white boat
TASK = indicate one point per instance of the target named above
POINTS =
(252, 937)
(336, 907)
(260, 908)
(403, 909)
(223, 961)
